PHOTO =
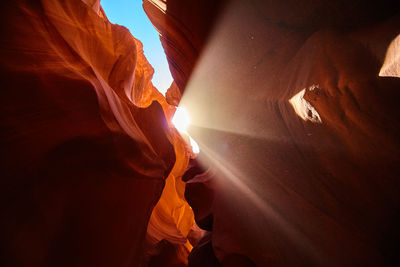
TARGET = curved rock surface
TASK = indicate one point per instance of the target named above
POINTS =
(293, 103)
(86, 144)
(299, 131)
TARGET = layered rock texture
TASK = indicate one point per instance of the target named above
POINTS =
(293, 103)
(299, 128)
(86, 143)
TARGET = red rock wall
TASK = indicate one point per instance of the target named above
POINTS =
(86, 143)
(182, 34)
(310, 180)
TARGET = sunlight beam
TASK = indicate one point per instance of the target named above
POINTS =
(181, 121)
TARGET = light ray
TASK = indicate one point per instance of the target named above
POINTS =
(181, 119)
(237, 179)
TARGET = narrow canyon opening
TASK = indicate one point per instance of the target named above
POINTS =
(130, 13)
(199, 133)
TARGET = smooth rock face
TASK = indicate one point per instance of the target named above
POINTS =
(86, 143)
(299, 132)
(182, 34)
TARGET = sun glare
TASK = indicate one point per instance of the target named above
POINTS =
(194, 145)
(181, 121)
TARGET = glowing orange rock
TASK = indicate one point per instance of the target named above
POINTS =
(86, 146)
(301, 133)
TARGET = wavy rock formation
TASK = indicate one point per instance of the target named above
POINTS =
(293, 103)
(299, 133)
(86, 144)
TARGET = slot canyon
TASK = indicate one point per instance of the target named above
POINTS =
(293, 105)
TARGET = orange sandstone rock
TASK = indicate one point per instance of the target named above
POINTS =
(301, 132)
(86, 144)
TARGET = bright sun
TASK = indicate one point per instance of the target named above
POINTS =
(181, 119)
(181, 122)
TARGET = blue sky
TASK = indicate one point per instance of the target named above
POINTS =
(130, 14)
